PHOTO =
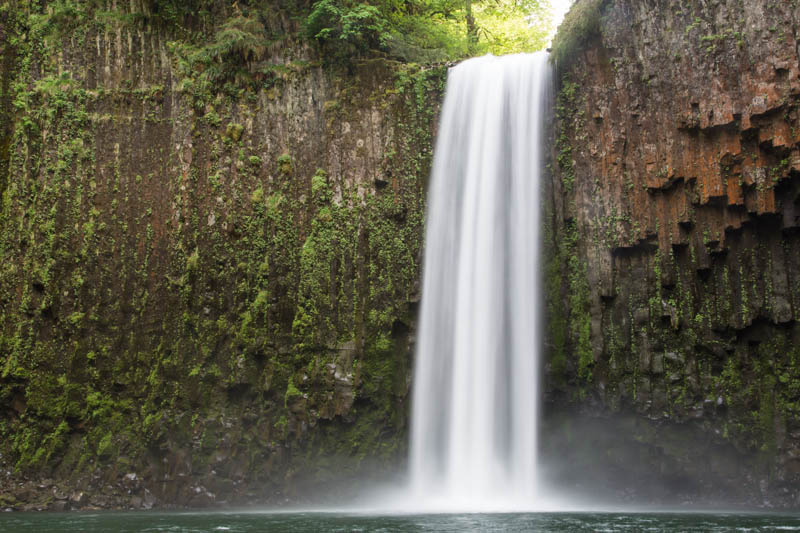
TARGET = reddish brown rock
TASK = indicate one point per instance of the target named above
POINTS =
(681, 125)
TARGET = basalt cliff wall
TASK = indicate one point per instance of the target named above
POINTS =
(210, 255)
(674, 251)
(211, 244)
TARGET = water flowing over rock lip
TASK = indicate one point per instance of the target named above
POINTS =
(474, 420)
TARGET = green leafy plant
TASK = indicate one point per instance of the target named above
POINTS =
(347, 29)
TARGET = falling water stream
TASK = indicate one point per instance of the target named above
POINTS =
(475, 406)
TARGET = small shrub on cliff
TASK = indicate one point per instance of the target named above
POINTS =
(240, 38)
(347, 29)
(230, 59)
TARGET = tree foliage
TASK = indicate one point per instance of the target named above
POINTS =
(428, 30)
(509, 26)
(347, 29)
(232, 42)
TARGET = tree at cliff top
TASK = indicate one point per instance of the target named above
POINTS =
(428, 30)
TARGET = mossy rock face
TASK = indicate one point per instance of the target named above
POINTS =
(580, 26)
(202, 283)
(673, 292)
(234, 131)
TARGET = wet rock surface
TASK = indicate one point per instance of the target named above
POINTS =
(676, 235)
(203, 272)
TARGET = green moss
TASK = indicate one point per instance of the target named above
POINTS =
(153, 309)
(193, 261)
(257, 196)
(556, 309)
(282, 426)
(291, 393)
(234, 131)
(105, 446)
(285, 164)
(578, 302)
(320, 189)
(580, 25)
(76, 318)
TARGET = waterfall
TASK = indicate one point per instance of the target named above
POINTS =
(476, 378)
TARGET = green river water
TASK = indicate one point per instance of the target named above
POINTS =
(332, 521)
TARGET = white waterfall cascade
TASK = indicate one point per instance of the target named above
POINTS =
(476, 379)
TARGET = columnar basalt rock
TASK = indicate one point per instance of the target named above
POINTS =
(677, 160)
(209, 277)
